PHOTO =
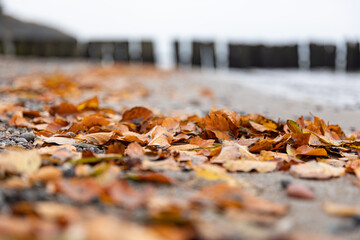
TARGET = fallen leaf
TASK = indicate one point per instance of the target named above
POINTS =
(248, 165)
(137, 114)
(227, 153)
(214, 173)
(202, 142)
(294, 127)
(316, 170)
(341, 209)
(18, 120)
(160, 137)
(309, 151)
(46, 174)
(58, 140)
(134, 150)
(89, 104)
(263, 144)
(152, 177)
(66, 108)
(24, 162)
(80, 190)
(94, 120)
(62, 152)
(260, 128)
(97, 138)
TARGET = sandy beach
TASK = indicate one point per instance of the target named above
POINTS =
(197, 91)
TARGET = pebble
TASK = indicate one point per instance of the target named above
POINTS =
(28, 136)
(299, 191)
(21, 140)
(284, 183)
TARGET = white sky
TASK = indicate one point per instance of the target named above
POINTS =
(267, 20)
(271, 21)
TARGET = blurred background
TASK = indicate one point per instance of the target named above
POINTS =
(229, 33)
(298, 50)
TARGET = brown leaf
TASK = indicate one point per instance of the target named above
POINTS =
(18, 120)
(81, 190)
(202, 142)
(152, 177)
(94, 120)
(294, 127)
(300, 139)
(248, 165)
(222, 121)
(66, 108)
(122, 194)
(97, 138)
(309, 151)
(77, 127)
(316, 170)
(56, 125)
(263, 144)
(342, 210)
(260, 128)
(46, 174)
(62, 152)
(134, 150)
(227, 153)
(23, 162)
(137, 114)
(117, 147)
(160, 137)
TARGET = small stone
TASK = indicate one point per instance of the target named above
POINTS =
(28, 136)
(299, 191)
(284, 183)
(21, 140)
(356, 220)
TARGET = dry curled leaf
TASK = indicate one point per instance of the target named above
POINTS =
(134, 150)
(248, 165)
(316, 170)
(97, 138)
(22, 162)
(341, 210)
(309, 151)
(66, 108)
(46, 174)
(137, 114)
(89, 104)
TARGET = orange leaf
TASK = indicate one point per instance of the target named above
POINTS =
(97, 138)
(56, 125)
(260, 128)
(81, 190)
(309, 151)
(317, 170)
(137, 114)
(66, 108)
(94, 120)
(89, 104)
(152, 177)
(134, 150)
(202, 142)
(18, 120)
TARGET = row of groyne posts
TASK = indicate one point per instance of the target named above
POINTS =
(201, 53)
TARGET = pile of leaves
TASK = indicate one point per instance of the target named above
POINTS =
(99, 173)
